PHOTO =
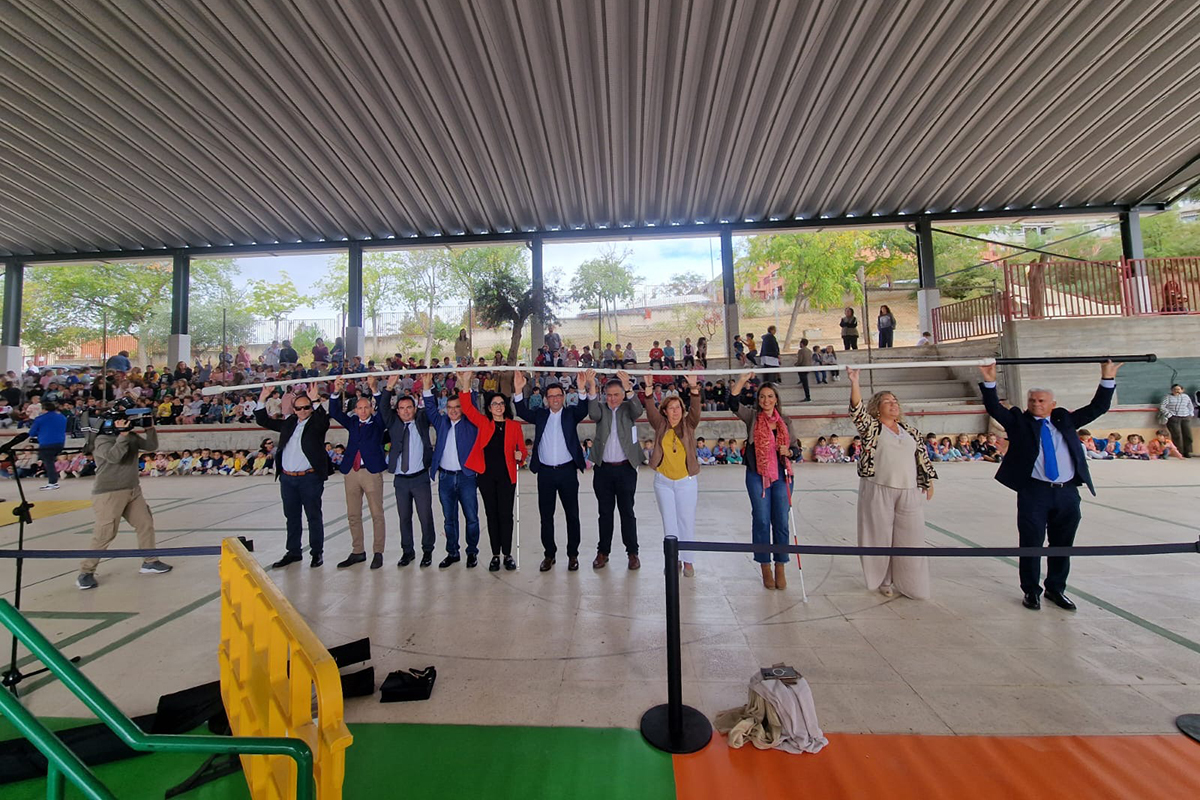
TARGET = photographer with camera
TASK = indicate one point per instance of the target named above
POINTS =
(116, 492)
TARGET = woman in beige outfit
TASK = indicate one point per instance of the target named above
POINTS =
(895, 481)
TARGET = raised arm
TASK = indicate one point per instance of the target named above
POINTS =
(991, 400)
(469, 410)
(858, 412)
(260, 412)
(1102, 400)
(693, 388)
(385, 402)
(335, 403)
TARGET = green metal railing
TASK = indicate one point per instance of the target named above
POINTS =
(66, 766)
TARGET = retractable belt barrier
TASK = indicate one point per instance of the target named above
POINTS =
(211, 550)
(675, 728)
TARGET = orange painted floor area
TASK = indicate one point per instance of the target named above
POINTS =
(858, 766)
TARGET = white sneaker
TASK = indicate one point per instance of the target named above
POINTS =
(49, 487)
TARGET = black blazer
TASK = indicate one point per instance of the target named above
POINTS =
(571, 417)
(312, 443)
(395, 427)
(1025, 437)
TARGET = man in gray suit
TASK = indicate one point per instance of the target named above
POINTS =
(616, 454)
(410, 460)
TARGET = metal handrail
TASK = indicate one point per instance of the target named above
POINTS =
(65, 764)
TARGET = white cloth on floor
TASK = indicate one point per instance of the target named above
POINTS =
(776, 715)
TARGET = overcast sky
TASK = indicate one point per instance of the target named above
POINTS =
(655, 261)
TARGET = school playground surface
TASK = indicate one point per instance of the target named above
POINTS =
(542, 678)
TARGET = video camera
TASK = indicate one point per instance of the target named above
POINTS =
(122, 409)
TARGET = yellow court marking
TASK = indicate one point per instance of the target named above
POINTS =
(41, 509)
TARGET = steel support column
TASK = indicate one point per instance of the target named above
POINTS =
(928, 296)
(10, 326)
(537, 325)
(1138, 289)
(179, 342)
(728, 290)
(355, 335)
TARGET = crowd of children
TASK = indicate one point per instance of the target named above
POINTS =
(1134, 447)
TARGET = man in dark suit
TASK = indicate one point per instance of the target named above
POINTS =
(363, 465)
(557, 460)
(410, 460)
(616, 454)
(301, 470)
(456, 484)
(1045, 464)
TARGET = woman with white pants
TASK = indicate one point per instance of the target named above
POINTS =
(895, 481)
(675, 463)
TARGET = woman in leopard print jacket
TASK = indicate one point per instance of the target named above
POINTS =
(895, 481)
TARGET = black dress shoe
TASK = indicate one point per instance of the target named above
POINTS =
(290, 558)
(352, 559)
(572, 564)
(472, 561)
(1060, 600)
(509, 564)
(447, 561)
(426, 559)
(406, 559)
(317, 561)
(494, 565)
(377, 561)
(1032, 601)
(546, 565)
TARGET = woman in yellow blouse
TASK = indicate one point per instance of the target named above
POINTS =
(674, 461)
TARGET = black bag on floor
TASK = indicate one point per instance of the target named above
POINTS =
(403, 685)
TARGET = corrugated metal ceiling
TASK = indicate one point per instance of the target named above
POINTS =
(176, 123)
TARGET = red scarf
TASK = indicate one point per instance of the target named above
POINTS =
(766, 446)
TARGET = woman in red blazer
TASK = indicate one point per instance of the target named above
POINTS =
(494, 459)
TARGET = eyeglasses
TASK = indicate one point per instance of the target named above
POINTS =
(302, 408)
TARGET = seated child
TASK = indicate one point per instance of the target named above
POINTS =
(218, 461)
(1162, 447)
(339, 454)
(854, 450)
(931, 446)
(821, 452)
(835, 448)
(944, 448)
(988, 450)
(721, 452)
(144, 463)
(966, 452)
(227, 462)
(830, 357)
(62, 463)
(1089, 446)
(647, 450)
(1113, 446)
(735, 452)
(160, 466)
(704, 453)
(204, 463)
(173, 462)
(260, 463)
(1135, 448)
(186, 463)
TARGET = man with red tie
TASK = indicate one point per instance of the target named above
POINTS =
(363, 466)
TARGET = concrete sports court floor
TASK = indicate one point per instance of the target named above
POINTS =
(585, 649)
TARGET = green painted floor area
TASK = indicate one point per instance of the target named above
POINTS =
(424, 762)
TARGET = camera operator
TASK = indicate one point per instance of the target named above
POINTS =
(116, 492)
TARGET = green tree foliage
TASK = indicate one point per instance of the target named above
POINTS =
(504, 296)
(211, 292)
(685, 283)
(382, 277)
(273, 300)
(304, 336)
(604, 281)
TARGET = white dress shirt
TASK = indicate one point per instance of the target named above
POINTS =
(293, 458)
(450, 451)
(614, 451)
(552, 449)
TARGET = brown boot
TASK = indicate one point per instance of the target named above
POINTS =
(768, 578)
(780, 576)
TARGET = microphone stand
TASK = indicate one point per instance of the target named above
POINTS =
(23, 512)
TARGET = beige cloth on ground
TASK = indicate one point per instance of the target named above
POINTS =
(776, 716)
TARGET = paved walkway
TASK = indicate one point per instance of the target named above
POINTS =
(586, 648)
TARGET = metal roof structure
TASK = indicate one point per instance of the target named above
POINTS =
(159, 124)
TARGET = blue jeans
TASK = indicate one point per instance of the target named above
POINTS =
(455, 488)
(769, 515)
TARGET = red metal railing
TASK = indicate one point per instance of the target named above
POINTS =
(1071, 289)
(967, 319)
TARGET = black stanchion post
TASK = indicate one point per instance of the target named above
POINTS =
(674, 727)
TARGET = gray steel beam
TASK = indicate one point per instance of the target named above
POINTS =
(926, 272)
(14, 287)
(354, 303)
(1131, 235)
(581, 234)
(728, 290)
(181, 281)
(537, 330)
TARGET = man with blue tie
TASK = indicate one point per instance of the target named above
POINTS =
(557, 460)
(1045, 465)
(362, 467)
(456, 484)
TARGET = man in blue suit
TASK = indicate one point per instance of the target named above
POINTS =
(1045, 465)
(557, 460)
(456, 484)
(363, 466)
